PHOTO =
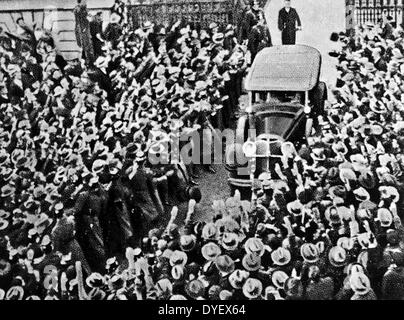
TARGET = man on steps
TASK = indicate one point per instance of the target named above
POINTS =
(288, 23)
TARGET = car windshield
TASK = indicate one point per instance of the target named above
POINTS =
(275, 124)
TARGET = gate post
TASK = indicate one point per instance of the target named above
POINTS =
(350, 16)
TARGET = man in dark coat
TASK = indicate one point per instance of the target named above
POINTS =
(379, 61)
(260, 37)
(82, 30)
(90, 206)
(113, 31)
(250, 19)
(96, 33)
(288, 18)
(116, 223)
(387, 32)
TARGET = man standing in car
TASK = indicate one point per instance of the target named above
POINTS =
(288, 23)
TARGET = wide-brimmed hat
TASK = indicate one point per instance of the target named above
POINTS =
(227, 224)
(15, 293)
(7, 191)
(309, 252)
(58, 91)
(318, 154)
(385, 217)
(187, 242)
(360, 283)
(218, 37)
(178, 258)
(340, 147)
(3, 224)
(337, 257)
(338, 191)
(279, 279)
(295, 207)
(225, 264)
(195, 289)
(211, 251)
(359, 162)
(230, 241)
(389, 192)
(251, 262)
(213, 25)
(281, 256)
(225, 295)
(397, 54)
(361, 194)
(4, 214)
(254, 245)
(345, 243)
(147, 25)
(374, 129)
(378, 107)
(347, 174)
(354, 268)
(115, 18)
(209, 231)
(238, 278)
(252, 288)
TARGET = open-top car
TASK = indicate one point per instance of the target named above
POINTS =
(285, 100)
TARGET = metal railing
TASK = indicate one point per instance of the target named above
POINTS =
(372, 11)
(167, 12)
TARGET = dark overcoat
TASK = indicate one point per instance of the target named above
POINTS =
(287, 23)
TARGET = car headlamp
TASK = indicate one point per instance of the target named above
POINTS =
(250, 149)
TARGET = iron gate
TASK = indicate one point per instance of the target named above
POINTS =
(372, 10)
(167, 12)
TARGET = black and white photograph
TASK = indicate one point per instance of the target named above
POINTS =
(209, 151)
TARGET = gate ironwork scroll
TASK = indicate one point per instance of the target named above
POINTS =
(372, 10)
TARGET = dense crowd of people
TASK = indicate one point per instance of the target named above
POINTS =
(83, 213)
(77, 183)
